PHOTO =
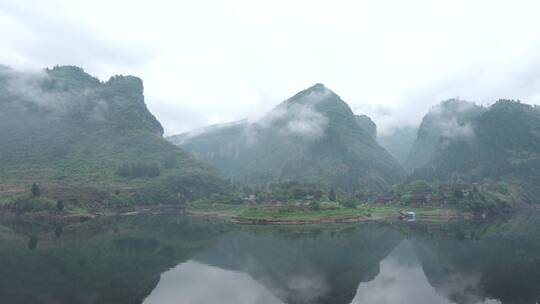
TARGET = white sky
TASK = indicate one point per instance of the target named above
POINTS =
(207, 61)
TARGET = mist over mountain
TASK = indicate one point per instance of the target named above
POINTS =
(65, 129)
(398, 142)
(498, 143)
(312, 137)
(448, 120)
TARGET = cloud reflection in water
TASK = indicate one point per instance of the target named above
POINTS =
(193, 282)
(402, 280)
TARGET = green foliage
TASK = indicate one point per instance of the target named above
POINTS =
(36, 192)
(138, 170)
(450, 120)
(118, 259)
(336, 151)
(315, 206)
(30, 204)
(74, 131)
(289, 191)
(315, 211)
(487, 197)
(348, 204)
(332, 195)
(32, 242)
(60, 206)
(170, 161)
(504, 146)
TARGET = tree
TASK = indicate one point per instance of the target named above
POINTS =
(35, 190)
(349, 204)
(315, 206)
(32, 242)
(58, 231)
(60, 206)
(332, 195)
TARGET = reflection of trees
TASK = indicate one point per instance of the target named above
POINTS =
(475, 262)
(32, 242)
(114, 261)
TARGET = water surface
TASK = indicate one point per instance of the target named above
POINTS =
(169, 259)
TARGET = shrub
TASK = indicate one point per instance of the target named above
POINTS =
(315, 206)
(332, 195)
(349, 204)
(30, 204)
(59, 206)
(36, 192)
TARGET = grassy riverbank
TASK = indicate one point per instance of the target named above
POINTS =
(323, 213)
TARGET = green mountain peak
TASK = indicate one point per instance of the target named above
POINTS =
(312, 137)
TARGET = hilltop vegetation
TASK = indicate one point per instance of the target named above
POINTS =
(94, 144)
(449, 120)
(496, 144)
(313, 137)
(91, 143)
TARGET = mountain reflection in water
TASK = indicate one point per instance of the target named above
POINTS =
(402, 280)
(170, 259)
(194, 282)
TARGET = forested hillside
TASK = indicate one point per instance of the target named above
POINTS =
(81, 139)
(313, 137)
(501, 144)
(450, 119)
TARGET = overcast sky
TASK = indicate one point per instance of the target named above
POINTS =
(205, 62)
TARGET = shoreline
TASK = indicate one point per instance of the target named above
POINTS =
(348, 220)
(233, 214)
(73, 218)
(241, 215)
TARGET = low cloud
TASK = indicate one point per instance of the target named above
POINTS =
(198, 279)
(453, 119)
(298, 118)
(452, 129)
(406, 282)
(25, 90)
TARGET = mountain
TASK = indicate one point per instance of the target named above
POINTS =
(312, 137)
(499, 144)
(81, 139)
(367, 125)
(398, 142)
(449, 119)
